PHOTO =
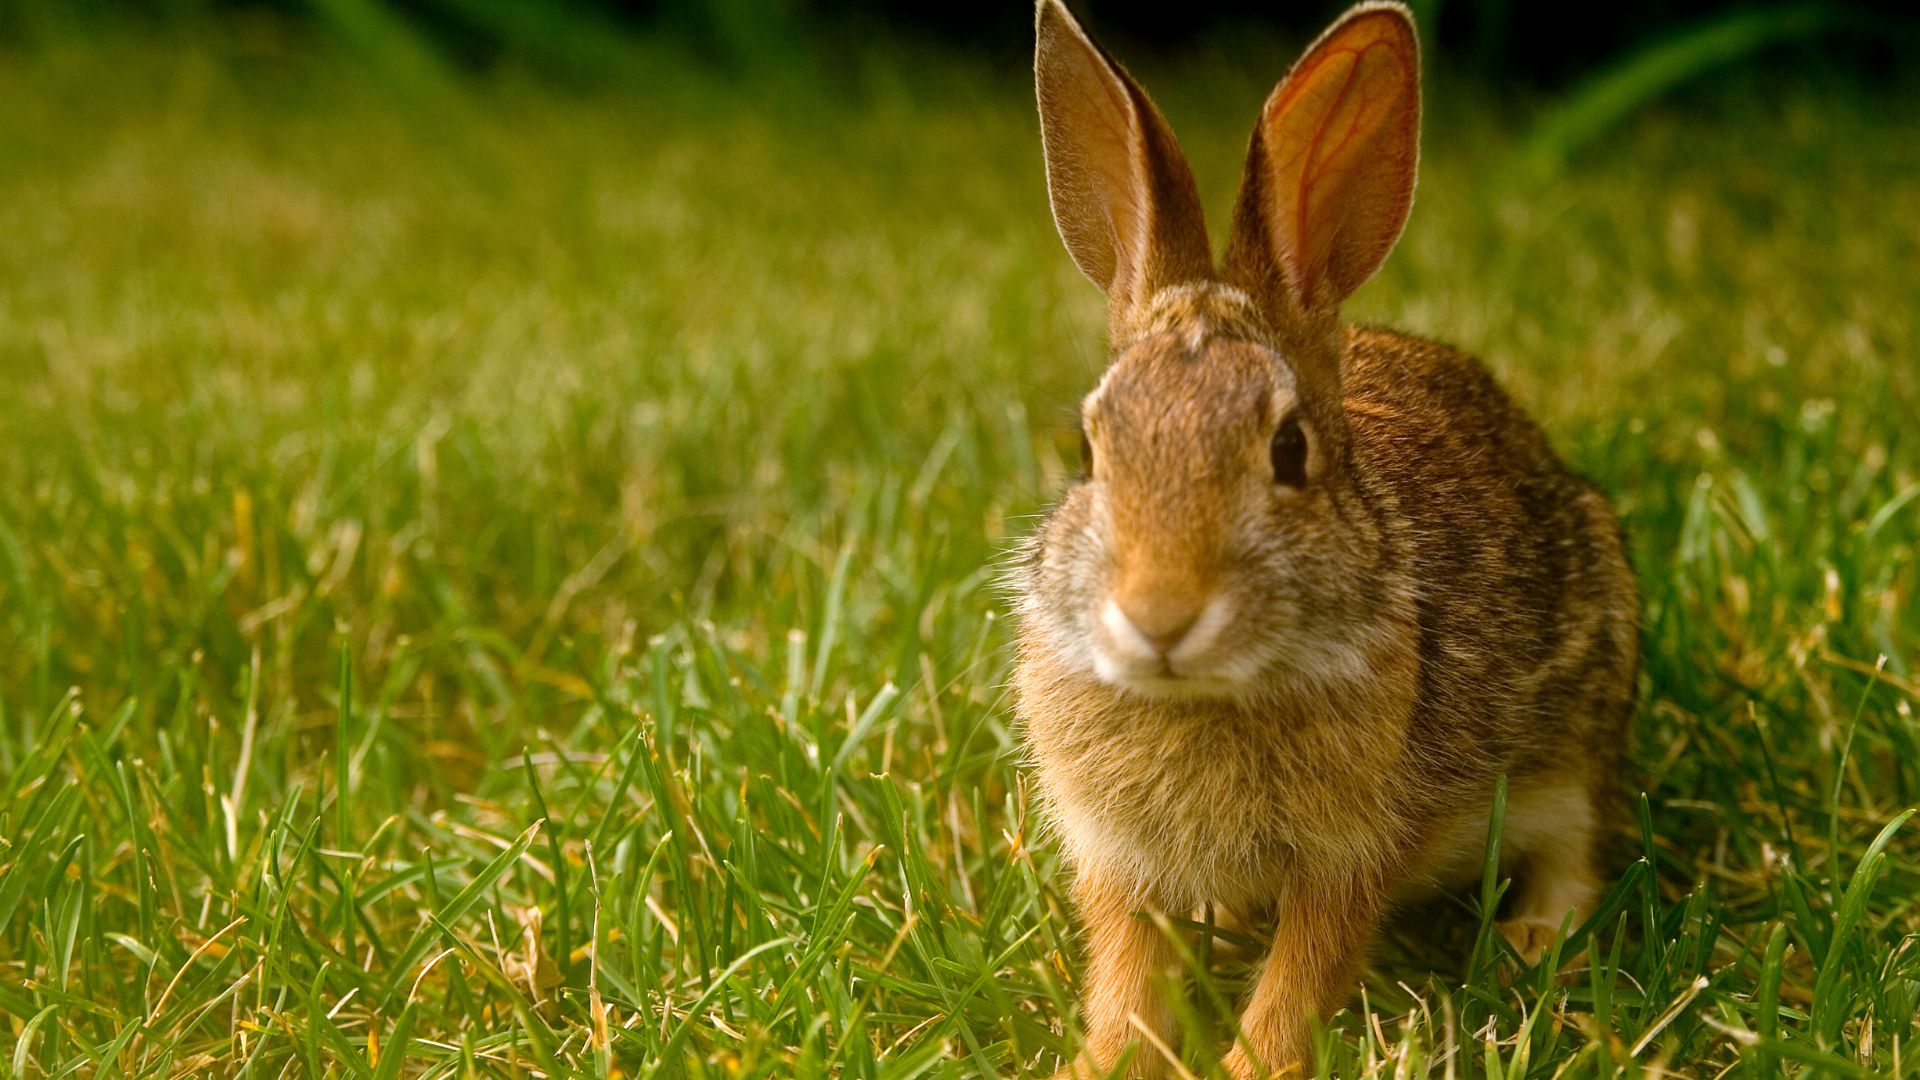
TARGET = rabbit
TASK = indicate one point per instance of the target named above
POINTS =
(1319, 586)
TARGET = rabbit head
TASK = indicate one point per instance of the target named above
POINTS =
(1219, 539)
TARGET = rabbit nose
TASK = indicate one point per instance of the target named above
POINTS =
(1162, 626)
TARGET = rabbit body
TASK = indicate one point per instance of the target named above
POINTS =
(1489, 628)
(1320, 587)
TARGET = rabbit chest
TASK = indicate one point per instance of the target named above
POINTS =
(1207, 802)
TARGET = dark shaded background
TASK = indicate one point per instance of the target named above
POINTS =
(1543, 40)
(1545, 44)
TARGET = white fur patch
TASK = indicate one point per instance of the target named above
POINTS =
(1542, 816)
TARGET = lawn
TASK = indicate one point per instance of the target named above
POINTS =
(502, 576)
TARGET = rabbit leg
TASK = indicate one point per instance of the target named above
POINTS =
(1127, 959)
(1556, 882)
(1319, 946)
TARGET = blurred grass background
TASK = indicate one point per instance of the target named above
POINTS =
(499, 509)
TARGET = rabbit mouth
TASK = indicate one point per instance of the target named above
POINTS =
(1199, 664)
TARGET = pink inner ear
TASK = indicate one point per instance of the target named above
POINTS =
(1341, 140)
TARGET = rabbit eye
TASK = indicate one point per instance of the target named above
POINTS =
(1290, 453)
(1086, 454)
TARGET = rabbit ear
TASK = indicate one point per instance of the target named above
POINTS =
(1330, 170)
(1123, 196)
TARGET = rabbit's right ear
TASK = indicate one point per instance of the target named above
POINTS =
(1123, 196)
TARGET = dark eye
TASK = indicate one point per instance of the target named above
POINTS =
(1290, 453)
(1086, 454)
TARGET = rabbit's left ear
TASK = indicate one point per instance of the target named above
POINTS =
(1123, 196)
(1330, 170)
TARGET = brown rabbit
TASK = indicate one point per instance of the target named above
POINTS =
(1320, 586)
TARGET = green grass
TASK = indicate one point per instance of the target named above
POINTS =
(504, 583)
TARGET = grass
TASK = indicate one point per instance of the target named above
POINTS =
(504, 583)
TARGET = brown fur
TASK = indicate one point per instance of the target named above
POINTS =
(1298, 700)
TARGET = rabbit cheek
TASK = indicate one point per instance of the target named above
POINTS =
(1060, 578)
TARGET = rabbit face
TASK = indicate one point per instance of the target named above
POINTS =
(1220, 544)
(1208, 546)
